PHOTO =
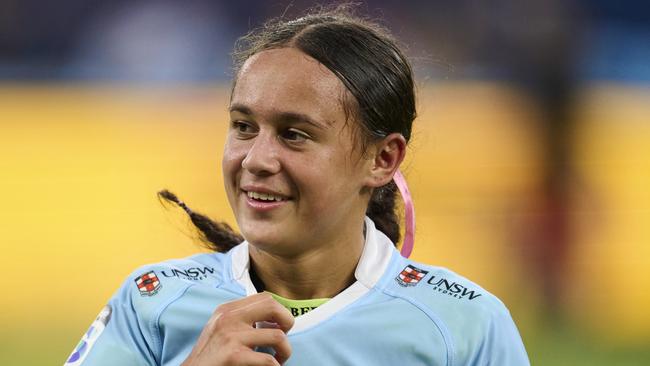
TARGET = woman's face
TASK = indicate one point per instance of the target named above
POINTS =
(293, 172)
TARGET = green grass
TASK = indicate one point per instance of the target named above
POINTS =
(561, 346)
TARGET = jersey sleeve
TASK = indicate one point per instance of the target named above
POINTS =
(116, 337)
(502, 344)
(476, 325)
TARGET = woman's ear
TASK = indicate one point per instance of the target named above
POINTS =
(387, 157)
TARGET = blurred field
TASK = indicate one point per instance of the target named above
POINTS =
(80, 166)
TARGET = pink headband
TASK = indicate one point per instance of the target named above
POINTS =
(409, 235)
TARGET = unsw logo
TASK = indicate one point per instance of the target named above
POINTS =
(451, 288)
(194, 273)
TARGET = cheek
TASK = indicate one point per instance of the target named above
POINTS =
(326, 179)
(233, 155)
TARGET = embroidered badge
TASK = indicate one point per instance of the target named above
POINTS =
(148, 284)
(410, 276)
(88, 340)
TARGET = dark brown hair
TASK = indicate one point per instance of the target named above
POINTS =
(366, 58)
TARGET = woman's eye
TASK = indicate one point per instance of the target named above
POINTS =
(242, 127)
(294, 135)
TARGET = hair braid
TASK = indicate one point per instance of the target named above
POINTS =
(217, 236)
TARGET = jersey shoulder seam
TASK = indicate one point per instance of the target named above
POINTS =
(437, 321)
(155, 319)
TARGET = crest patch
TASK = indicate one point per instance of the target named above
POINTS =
(410, 276)
(148, 284)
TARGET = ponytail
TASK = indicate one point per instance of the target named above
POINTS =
(381, 210)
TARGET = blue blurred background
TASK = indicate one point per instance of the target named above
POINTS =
(530, 163)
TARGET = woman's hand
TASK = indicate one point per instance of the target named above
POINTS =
(230, 336)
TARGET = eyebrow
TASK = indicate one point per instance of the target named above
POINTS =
(282, 116)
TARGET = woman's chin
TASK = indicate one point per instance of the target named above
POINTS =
(272, 244)
(262, 239)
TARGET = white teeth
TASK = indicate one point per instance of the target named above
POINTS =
(264, 196)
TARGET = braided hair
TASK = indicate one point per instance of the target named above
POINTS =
(368, 61)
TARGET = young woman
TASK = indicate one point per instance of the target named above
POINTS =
(320, 115)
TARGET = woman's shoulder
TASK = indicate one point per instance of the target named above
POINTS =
(198, 268)
(445, 295)
(158, 282)
(470, 318)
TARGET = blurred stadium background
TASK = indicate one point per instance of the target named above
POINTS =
(530, 164)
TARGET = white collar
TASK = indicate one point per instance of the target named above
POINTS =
(376, 255)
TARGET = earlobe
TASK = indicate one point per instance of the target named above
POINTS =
(389, 153)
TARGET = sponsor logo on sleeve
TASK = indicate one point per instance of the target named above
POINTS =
(410, 276)
(451, 288)
(88, 340)
(148, 284)
(192, 274)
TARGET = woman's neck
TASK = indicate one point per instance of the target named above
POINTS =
(321, 272)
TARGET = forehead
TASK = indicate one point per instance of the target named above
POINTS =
(285, 79)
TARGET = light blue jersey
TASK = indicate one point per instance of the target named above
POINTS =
(398, 312)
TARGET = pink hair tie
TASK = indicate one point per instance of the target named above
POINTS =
(409, 235)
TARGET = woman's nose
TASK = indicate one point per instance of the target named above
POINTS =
(262, 157)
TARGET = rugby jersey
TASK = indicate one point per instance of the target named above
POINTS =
(398, 312)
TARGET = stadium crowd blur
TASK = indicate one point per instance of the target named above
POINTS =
(534, 43)
(553, 52)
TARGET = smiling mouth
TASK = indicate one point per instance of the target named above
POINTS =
(265, 197)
